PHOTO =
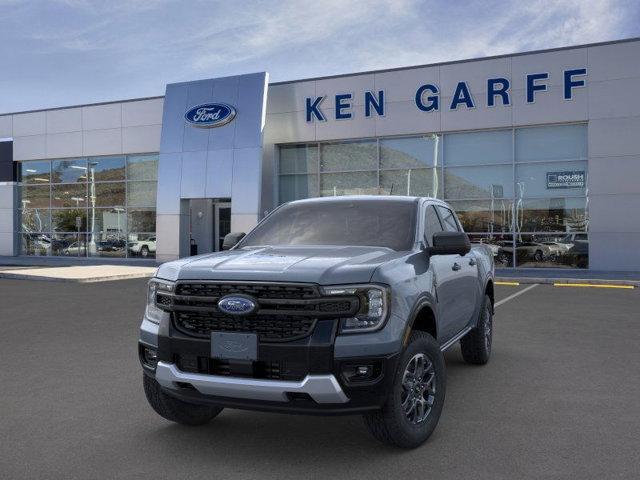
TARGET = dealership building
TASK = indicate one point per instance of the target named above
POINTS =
(538, 152)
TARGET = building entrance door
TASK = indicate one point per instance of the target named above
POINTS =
(222, 223)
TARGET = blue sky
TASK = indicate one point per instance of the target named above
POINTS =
(66, 52)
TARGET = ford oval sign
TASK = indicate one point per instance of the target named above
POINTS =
(236, 305)
(210, 115)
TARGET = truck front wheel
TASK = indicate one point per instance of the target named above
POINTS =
(176, 410)
(413, 406)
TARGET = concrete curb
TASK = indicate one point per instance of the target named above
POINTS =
(551, 281)
(19, 276)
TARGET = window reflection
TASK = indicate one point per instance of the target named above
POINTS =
(69, 195)
(500, 245)
(489, 216)
(348, 156)
(35, 196)
(141, 194)
(37, 172)
(142, 167)
(107, 168)
(355, 183)
(35, 220)
(69, 171)
(478, 182)
(421, 182)
(551, 214)
(85, 197)
(558, 250)
(410, 153)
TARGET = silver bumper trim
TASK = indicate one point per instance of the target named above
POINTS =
(322, 388)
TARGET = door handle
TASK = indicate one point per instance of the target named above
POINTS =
(472, 262)
(456, 266)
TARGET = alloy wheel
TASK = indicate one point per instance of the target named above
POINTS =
(418, 389)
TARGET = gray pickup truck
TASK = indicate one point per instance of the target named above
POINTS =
(340, 305)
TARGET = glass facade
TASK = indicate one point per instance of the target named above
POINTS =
(95, 206)
(523, 191)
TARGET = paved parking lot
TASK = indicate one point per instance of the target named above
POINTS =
(559, 399)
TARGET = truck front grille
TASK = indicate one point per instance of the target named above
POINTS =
(268, 327)
(285, 311)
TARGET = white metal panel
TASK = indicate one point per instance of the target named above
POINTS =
(618, 60)
(219, 174)
(614, 98)
(357, 127)
(614, 136)
(290, 97)
(194, 174)
(549, 107)
(64, 120)
(475, 74)
(61, 145)
(401, 85)
(102, 142)
(619, 175)
(404, 118)
(553, 63)
(33, 123)
(143, 112)
(6, 126)
(141, 139)
(169, 176)
(99, 117)
(29, 148)
(245, 188)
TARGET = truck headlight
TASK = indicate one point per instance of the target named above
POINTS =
(153, 312)
(374, 305)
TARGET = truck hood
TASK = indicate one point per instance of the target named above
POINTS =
(322, 265)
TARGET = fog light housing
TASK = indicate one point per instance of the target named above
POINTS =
(362, 372)
(149, 357)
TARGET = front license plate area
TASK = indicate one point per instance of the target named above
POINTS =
(234, 346)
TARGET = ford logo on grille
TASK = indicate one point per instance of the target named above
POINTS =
(210, 115)
(236, 305)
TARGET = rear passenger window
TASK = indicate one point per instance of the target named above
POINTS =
(431, 224)
(449, 222)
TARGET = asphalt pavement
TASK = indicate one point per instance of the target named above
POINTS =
(560, 398)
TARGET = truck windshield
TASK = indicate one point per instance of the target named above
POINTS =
(356, 223)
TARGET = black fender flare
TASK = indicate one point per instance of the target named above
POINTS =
(423, 301)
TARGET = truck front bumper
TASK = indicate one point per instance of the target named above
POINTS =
(311, 379)
(321, 388)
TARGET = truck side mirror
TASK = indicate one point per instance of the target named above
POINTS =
(231, 239)
(450, 243)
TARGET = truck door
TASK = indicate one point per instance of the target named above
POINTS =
(445, 279)
(463, 286)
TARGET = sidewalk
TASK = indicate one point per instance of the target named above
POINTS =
(77, 273)
(551, 276)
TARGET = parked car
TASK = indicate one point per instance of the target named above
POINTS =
(143, 247)
(75, 249)
(525, 252)
(328, 306)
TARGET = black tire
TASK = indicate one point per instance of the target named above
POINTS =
(391, 424)
(144, 251)
(538, 256)
(176, 410)
(476, 345)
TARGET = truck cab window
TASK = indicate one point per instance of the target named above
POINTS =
(431, 224)
(449, 222)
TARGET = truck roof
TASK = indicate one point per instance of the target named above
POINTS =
(351, 198)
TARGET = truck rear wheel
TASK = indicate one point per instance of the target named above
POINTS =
(414, 404)
(176, 410)
(476, 345)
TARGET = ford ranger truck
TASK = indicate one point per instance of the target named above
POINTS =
(340, 305)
